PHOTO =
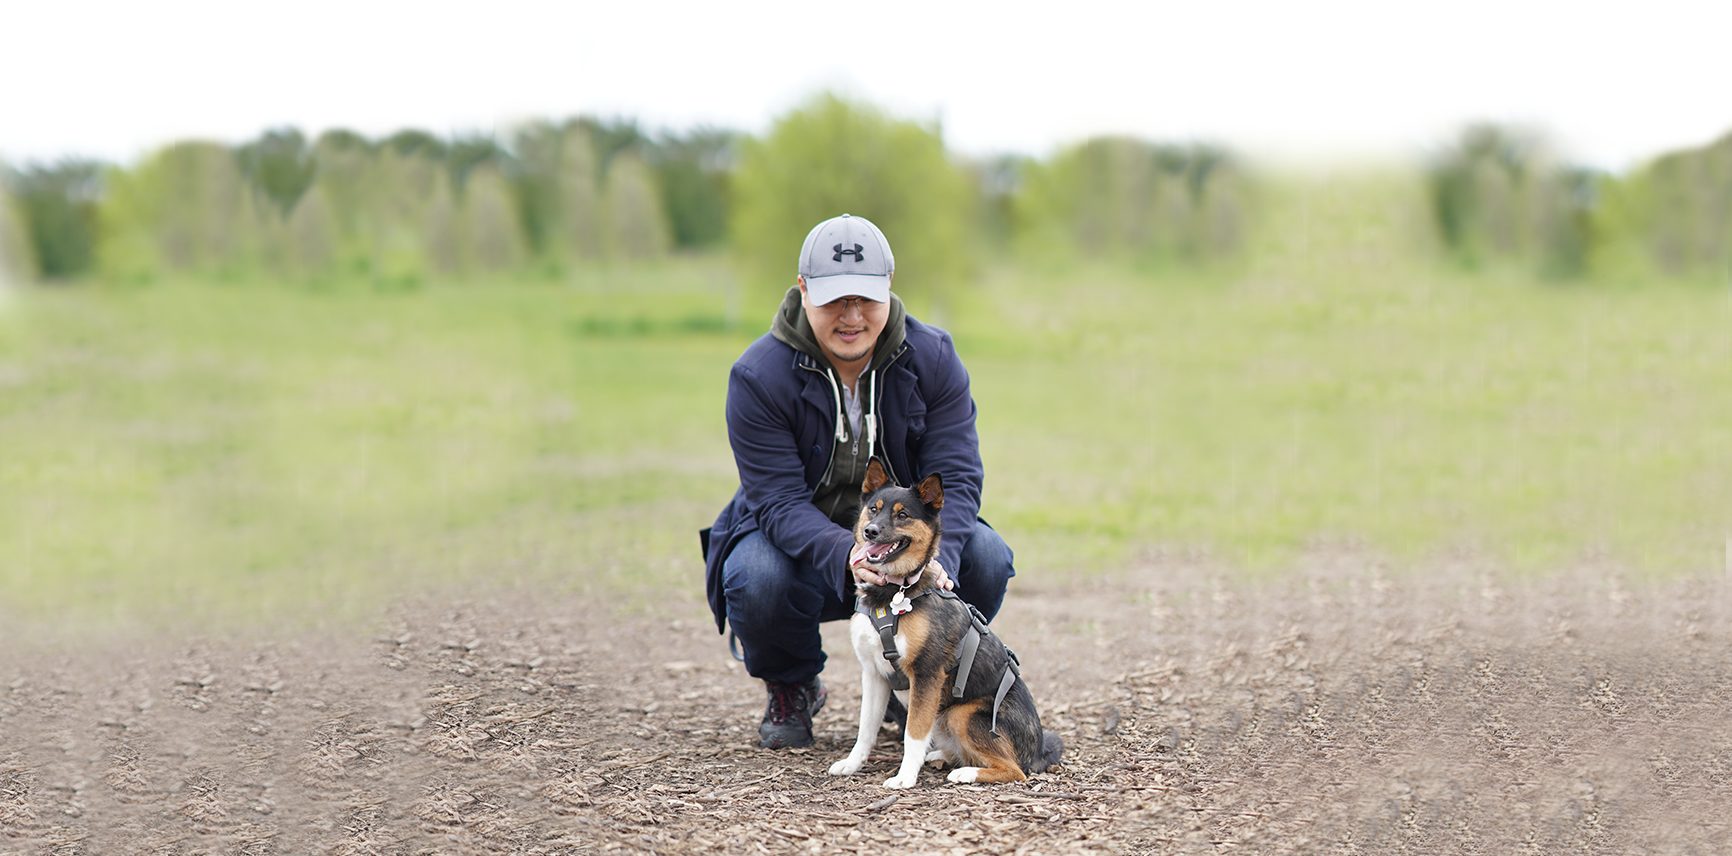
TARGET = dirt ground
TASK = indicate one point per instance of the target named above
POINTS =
(1340, 709)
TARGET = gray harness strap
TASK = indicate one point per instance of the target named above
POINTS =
(885, 621)
(1011, 673)
(965, 660)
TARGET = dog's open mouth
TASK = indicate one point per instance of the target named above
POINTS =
(879, 553)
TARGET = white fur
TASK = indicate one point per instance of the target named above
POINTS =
(874, 700)
(964, 775)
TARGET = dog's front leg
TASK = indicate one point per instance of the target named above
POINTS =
(874, 698)
(922, 717)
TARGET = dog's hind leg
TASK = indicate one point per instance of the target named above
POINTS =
(991, 757)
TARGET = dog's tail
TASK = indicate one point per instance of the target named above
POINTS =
(1051, 748)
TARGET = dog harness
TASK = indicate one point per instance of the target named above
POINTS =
(885, 620)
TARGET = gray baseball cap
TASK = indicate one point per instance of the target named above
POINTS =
(846, 256)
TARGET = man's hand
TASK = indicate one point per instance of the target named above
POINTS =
(865, 574)
(939, 577)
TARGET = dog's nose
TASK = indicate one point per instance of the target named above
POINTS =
(871, 531)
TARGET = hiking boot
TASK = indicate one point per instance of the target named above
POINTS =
(788, 716)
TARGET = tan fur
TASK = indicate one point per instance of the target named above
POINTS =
(996, 758)
(923, 700)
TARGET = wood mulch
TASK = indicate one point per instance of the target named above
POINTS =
(1340, 709)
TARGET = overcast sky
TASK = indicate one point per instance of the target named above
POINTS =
(1326, 77)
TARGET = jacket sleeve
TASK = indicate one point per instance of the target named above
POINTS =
(773, 479)
(951, 448)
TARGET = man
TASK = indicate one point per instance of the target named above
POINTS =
(843, 375)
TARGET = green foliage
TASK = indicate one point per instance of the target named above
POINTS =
(1499, 193)
(17, 261)
(280, 166)
(187, 209)
(637, 229)
(58, 203)
(491, 239)
(1123, 198)
(1684, 200)
(693, 171)
(834, 156)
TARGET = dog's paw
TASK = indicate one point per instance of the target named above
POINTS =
(935, 756)
(964, 775)
(845, 767)
(900, 782)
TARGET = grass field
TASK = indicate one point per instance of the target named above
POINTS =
(183, 451)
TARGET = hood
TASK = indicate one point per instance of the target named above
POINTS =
(792, 328)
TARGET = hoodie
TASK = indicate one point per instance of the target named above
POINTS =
(838, 494)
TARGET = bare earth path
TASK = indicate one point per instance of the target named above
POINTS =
(1338, 710)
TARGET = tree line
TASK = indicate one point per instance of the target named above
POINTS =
(548, 196)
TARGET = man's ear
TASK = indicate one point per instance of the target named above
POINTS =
(931, 491)
(875, 476)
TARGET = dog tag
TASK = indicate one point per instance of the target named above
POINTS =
(901, 605)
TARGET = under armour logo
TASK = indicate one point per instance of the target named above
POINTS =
(858, 252)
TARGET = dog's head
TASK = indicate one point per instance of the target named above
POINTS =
(899, 526)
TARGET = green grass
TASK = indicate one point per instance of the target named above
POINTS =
(187, 451)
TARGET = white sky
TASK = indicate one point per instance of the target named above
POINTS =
(1303, 78)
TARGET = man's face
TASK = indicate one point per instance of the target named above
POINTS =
(847, 327)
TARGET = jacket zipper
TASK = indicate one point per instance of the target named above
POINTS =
(828, 465)
(878, 399)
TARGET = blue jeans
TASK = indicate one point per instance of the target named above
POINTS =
(774, 605)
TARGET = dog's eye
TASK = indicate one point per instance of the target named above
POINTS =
(901, 515)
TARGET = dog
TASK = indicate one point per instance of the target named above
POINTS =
(966, 701)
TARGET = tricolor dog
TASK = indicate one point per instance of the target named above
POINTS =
(966, 700)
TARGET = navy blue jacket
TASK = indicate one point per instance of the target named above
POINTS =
(782, 422)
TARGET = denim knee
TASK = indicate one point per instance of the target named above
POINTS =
(987, 566)
(760, 583)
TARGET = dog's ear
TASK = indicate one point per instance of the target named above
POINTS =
(875, 476)
(931, 491)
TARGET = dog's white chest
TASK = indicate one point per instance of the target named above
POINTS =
(869, 646)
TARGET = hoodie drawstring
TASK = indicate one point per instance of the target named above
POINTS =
(871, 409)
(841, 418)
(872, 413)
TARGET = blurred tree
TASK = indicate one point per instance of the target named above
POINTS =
(344, 163)
(58, 203)
(342, 140)
(469, 152)
(999, 182)
(582, 223)
(492, 239)
(310, 236)
(403, 193)
(17, 261)
(416, 142)
(1119, 197)
(833, 156)
(280, 167)
(1683, 207)
(636, 228)
(1500, 193)
(186, 208)
(692, 171)
(610, 138)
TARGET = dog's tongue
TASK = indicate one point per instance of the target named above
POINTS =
(878, 551)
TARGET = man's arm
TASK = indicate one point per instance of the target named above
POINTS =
(952, 449)
(772, 476)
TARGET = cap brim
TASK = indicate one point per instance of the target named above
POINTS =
(824, 289)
